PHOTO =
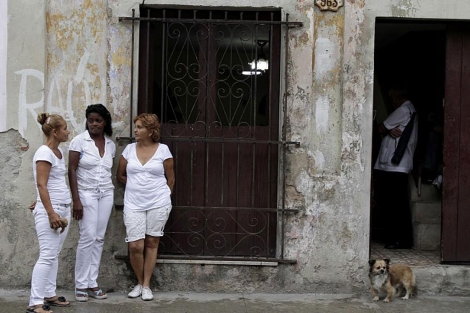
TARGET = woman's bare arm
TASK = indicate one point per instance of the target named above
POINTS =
(43, 170)
(169, 173)
(121, 174)
(74, 157)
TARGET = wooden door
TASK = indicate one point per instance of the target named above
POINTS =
(456, 184)
(222, 128)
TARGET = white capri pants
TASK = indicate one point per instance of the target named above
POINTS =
(150, 222)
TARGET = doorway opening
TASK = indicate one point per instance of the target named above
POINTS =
(412, 54)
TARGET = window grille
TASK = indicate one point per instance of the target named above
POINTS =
(213, 78)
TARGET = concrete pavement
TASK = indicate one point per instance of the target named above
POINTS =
(174, 302)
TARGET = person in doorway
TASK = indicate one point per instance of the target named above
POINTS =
(146, 169)
(51, 212)
(391, 178)
(91, 156)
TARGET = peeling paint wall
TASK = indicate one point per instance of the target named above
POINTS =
(77, 52)
(3, 64)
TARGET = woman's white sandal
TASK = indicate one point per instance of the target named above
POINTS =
(97, 294)
(81, 296)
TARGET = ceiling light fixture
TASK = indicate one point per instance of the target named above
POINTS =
(259, 65)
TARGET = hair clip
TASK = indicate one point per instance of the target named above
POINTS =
(48, 119)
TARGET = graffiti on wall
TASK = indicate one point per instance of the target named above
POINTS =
(56, 102)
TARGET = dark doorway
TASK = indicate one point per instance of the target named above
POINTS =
(413, 54)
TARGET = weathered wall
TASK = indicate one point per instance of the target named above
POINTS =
(329, 111)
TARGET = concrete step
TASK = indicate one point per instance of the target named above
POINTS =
(426, 225)
(426, 212)
(426, 237)
(428, 192)
(443, 279)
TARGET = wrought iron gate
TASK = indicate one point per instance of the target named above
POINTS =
(213, 78)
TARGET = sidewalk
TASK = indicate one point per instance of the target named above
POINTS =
(16, 301)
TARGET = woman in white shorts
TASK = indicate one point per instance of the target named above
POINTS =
(147, 198)
(91, 156)
(53, 205)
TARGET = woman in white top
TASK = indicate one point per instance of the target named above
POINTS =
(53, 203)
(90, 161)
(147, 198)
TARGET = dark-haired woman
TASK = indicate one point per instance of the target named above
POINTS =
(53, 203)
(90, 161)
(146, 168)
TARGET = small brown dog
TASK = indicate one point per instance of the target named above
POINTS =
(386, 277)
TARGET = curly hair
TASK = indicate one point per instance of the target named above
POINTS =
(152, 123)
(50, 122)
(104, 113)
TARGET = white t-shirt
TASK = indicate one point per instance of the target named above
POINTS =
(94, 171)
(146, 186)
(398, 118)
(56, 185)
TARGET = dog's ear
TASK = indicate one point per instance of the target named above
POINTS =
(371, 262)
(387, 261)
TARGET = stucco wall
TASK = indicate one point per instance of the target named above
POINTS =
(87, 60)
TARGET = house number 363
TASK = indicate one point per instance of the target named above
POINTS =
(329, 5)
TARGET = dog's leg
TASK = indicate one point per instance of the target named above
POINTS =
(375, 294)
(390, 292)
(408, 292)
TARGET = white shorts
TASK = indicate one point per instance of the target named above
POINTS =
(141, 223)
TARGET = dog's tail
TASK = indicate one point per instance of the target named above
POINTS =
(414, 287)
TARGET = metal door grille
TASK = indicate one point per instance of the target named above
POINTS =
(201, 72)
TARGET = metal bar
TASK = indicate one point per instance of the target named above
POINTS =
(253, 262)
(206, 176)
(121, 207)
(253, 146)
(132, 76)
(147, 67)
(222, 140)
(237, 183)
(192, 207)
(176, 169)
(284, 162)
(164, 56)
(218, 21)
(253, 173)
(231, 140)
(254, 102)
(191, 175)
(208, 258)
(222, 174)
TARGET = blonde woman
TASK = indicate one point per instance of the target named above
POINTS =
(53, 204)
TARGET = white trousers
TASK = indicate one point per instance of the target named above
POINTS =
(43, 281)
(97, 206)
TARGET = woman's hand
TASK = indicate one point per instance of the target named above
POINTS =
(77, 210)
(54, 220)
(32, 206)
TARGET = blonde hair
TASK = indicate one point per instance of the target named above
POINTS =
(50, 122)
(152, 123)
